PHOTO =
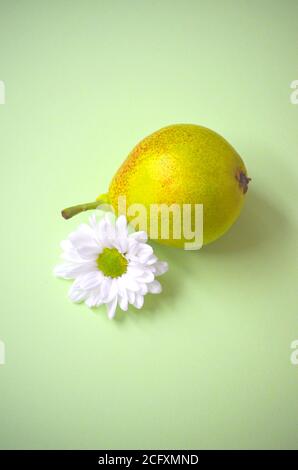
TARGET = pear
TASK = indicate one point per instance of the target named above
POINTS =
(180, 164)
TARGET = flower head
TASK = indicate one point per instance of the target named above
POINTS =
(109, 265)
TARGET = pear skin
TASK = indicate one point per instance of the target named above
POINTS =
(181, 164)
(185, 164)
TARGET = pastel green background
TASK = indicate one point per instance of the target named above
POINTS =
(206, 364)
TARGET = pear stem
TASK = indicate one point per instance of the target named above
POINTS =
(69, 212)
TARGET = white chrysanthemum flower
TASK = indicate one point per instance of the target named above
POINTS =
(109, 265)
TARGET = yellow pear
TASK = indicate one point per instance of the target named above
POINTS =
(182, 164)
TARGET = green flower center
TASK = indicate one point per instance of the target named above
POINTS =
(111, 263)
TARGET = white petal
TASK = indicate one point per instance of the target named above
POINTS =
(93, 222)
(130, 283)
(92, 299)
(71, 270)
(73, 257)
(132, 249)
(121, 244)
(113, 291)
(123, 301)
(109, 229)
(87, 242)
(140, 236)
(131, 296)
(102, 233)
(69, 252)
(105, 287)
(66, 245)
(139, 301)
(135, 270)
(144, 252)
(121, 286)
(147, 276)
(160, 267)
(82, 235)
(151, 260)
(90, 251)
(111, 308)
(154, 287)
(61, 270)
(75, 294)
(121, 226)
(143, 289)
(91, 280)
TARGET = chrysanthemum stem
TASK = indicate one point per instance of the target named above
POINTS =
(74, 210)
